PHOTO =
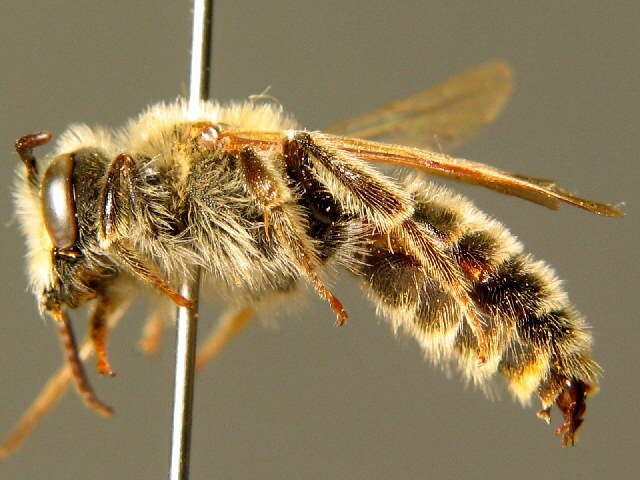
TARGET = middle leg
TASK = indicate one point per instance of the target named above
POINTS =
(280, 214)
(229, 325)
(119, 203)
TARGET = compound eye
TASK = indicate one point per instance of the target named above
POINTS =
(58, 202)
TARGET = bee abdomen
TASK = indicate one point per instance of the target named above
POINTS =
(544, 336)
(535, 338)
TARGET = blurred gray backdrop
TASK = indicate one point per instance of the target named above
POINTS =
(304, 399)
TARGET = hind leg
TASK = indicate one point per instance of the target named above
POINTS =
(229, 325)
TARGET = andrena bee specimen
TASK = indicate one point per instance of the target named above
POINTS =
(262, 206)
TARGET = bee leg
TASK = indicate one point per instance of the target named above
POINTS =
(270, 192)
(154, 327)
(292, 235)
(431, 252)
(78, 373)
(354, 184)
(148, 274)
(44, 403)
(98, 331)
(152, 334)
(118, 196)
(229, 325)
(389, 210)
(52, 392)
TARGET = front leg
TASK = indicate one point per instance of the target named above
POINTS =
(78, 374)
(119, 208)
(101, 311)
(119, 199)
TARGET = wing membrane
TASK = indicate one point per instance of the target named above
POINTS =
(441, 117)
(543, 192)
(537, 190)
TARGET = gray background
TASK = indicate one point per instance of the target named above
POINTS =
(306, 400)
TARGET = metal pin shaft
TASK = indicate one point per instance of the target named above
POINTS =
(200, 54)
(187, 319)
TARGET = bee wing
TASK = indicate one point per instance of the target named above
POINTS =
(439, 118)
(543, 192)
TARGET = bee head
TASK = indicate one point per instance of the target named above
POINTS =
(58, 210)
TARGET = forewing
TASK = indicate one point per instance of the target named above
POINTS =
(540, 191)
(439, 118)
(543, 192)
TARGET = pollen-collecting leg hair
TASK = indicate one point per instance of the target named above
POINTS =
(536, 340)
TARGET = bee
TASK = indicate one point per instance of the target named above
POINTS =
(261, 206)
